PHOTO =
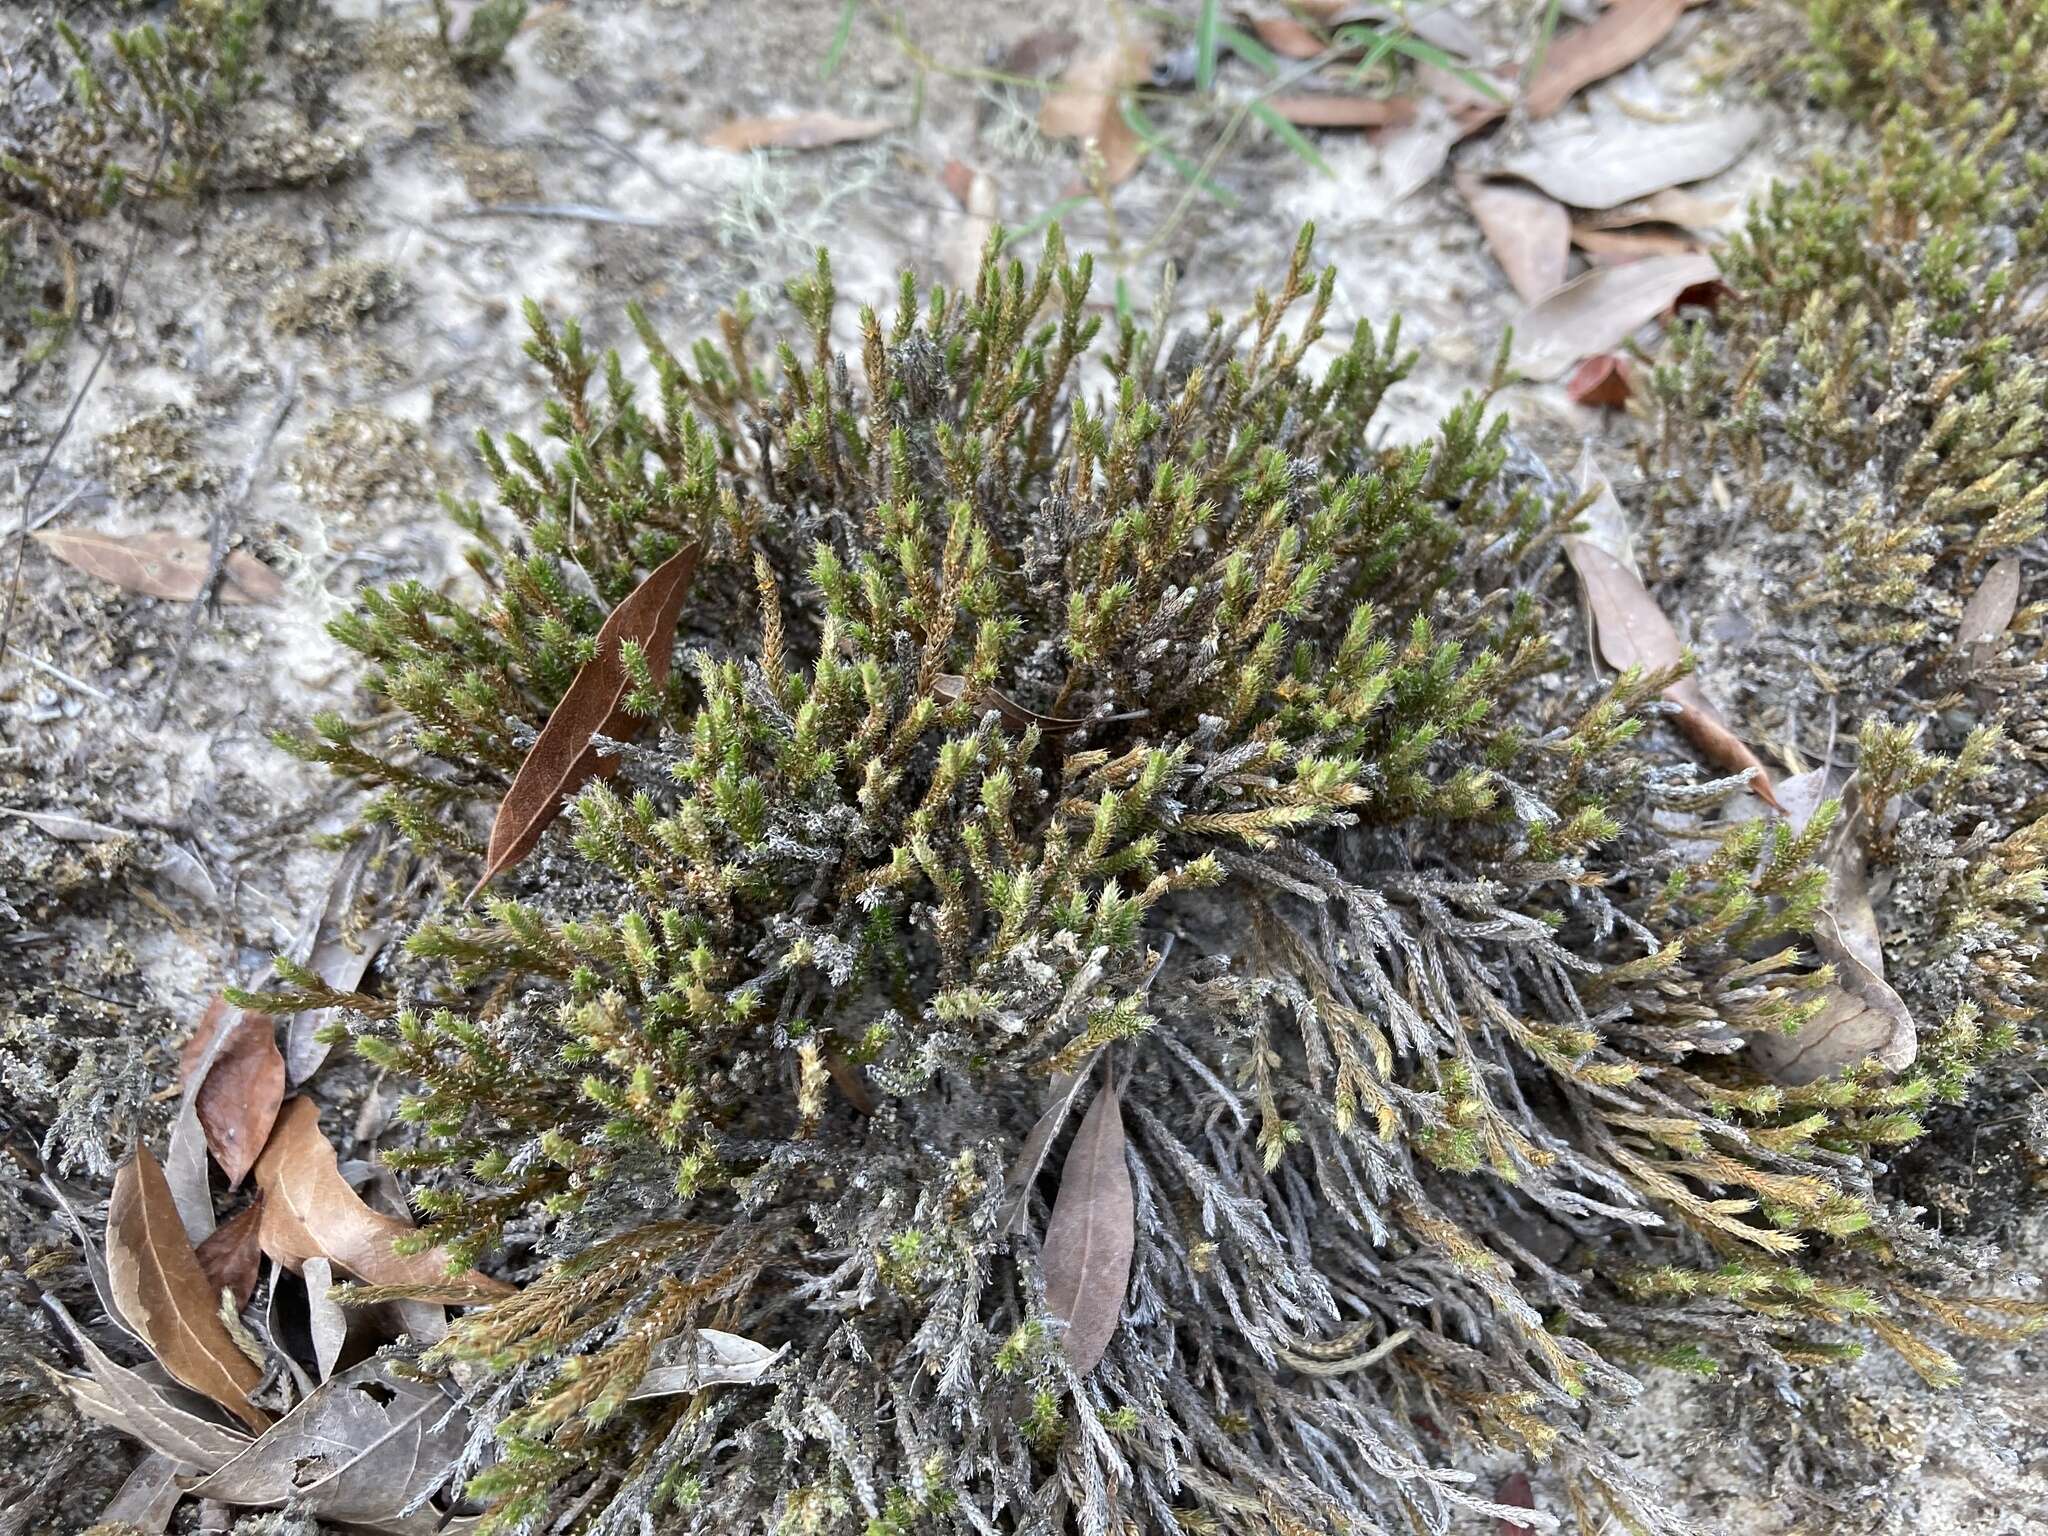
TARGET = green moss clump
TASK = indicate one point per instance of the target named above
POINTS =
(1423, 981)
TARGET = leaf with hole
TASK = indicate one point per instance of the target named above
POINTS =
(123, 1399)
(309, 1212)
(1091, 1236)
(165, 1296)
(363, 1446)
(565, 757)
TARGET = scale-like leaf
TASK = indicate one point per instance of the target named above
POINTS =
(1092, 1235)
(235, 1086)
(563, 759)
(356, 1452)
(310, 1212)
(1634, 632)
(165, 1296)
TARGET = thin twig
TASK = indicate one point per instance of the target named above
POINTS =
(223, 528)
(66, 678)
(35, 480)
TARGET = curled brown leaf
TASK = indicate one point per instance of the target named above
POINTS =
(232, 1254)
(1528, 233)
(309, 1212)
(1616, 39)
(236, 1087)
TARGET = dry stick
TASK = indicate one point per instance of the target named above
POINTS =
(28, 497)
(223, 521)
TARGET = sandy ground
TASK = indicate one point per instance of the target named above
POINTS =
(373, 325)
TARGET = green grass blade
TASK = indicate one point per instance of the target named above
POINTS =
(1251, 50)
(1291, 136)
(1205, 44)
(840, 35)
(1142, 126)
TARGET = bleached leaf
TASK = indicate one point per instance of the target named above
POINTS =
(149, 1496)
(1031, 1157)
(338, 945)
(166, 565)
(117, 1396)
(706, 1357)
(1613, 162)
(1599, 310)
(1528, 233)
(1991, 607)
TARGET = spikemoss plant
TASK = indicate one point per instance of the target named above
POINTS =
(1424, 982)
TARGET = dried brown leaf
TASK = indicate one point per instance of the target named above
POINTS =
(1599, 310)
(309, 1212)
(1611, 247)
(232, 1254)
(236, 1086)
(1672, 205)
(1991, 607)
(1091, 1236)
(163, 564)
(1514, 1490)
(1528, 233)
(796, 130)
(165, 1296)
(363, 1446)
(1633, 631)
(1326, 109)
(1613, 162)
(1037, 53)
(1601, 380)
(1087, 104)
(564, 758)
(1863, 1018)
(1604, 46)
(1288, 37)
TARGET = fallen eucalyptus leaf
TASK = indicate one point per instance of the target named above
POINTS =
(1031, 1156)
(1618, 161)
(1089, 1241)
(68, 829)
(1087, 104)
(149, 1496)
(1670, 205)
(235, 1082)
(705, 1357)
(1528, 233)
(1606, 523)
(364, 1445)
(95, 1261)
(182, 868)
(1990, 609)
(424, 1322)
(164, 565)
(1599, 310)
(329, 1321)
(563, 759)
(309, 1211)
(1610, 43)
(162, 1291)
(1327, 109)
(1612, 247)
(1863, 1018)
(799, 130)
(338, 947)
(232, 1253)
(1633, 631)
(117, 1396)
